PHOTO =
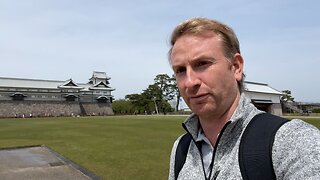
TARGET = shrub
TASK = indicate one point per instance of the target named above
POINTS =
(316, 110)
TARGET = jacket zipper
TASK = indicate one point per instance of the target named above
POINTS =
(214, 150)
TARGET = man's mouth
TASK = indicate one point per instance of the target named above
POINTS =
(199, 97)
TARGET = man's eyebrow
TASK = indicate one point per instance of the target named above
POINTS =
(177, 66)
(204, 58)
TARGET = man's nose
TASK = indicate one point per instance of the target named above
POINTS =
(192, 79)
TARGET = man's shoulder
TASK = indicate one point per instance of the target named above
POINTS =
(296, 136)
(297, 127)
(297, 133)
(296, 150)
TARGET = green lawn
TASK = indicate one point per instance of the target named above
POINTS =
(313, 121)
(112, 147)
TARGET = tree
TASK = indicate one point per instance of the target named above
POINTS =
(140, 102)
(164, 82)
(287, 97)
(156, 96)
(175, 91)
(169, 88)
(122, 106)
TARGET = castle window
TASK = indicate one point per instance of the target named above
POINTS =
(70, 97)
(18, 96)
(102, 99)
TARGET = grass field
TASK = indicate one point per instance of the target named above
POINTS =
(112, 147)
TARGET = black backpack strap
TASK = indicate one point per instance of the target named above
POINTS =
(181, 153)
(255, 151)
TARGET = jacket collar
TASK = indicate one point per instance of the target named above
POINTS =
(243, 110)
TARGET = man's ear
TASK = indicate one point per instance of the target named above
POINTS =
(238, 66)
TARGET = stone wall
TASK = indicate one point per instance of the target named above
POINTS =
(276, 109)
(96, 108)
(47, 109)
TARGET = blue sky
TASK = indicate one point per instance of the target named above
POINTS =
(62, 39)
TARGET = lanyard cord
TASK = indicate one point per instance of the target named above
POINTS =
(199, 145)
(213, 154)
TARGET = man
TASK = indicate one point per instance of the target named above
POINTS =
(206, 60)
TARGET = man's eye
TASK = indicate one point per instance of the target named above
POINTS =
(179, 70)
(201, 63)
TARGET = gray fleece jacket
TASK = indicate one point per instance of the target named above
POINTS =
(295, 152)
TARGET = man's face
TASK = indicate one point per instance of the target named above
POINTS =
(207, 80)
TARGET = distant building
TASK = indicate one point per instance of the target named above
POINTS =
(34, 97)
(264, 97)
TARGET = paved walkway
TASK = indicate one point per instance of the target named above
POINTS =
(39, 162)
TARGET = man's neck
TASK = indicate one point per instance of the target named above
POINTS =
(212, 125)
(212, 128)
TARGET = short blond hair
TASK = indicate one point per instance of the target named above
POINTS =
(202, 25)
